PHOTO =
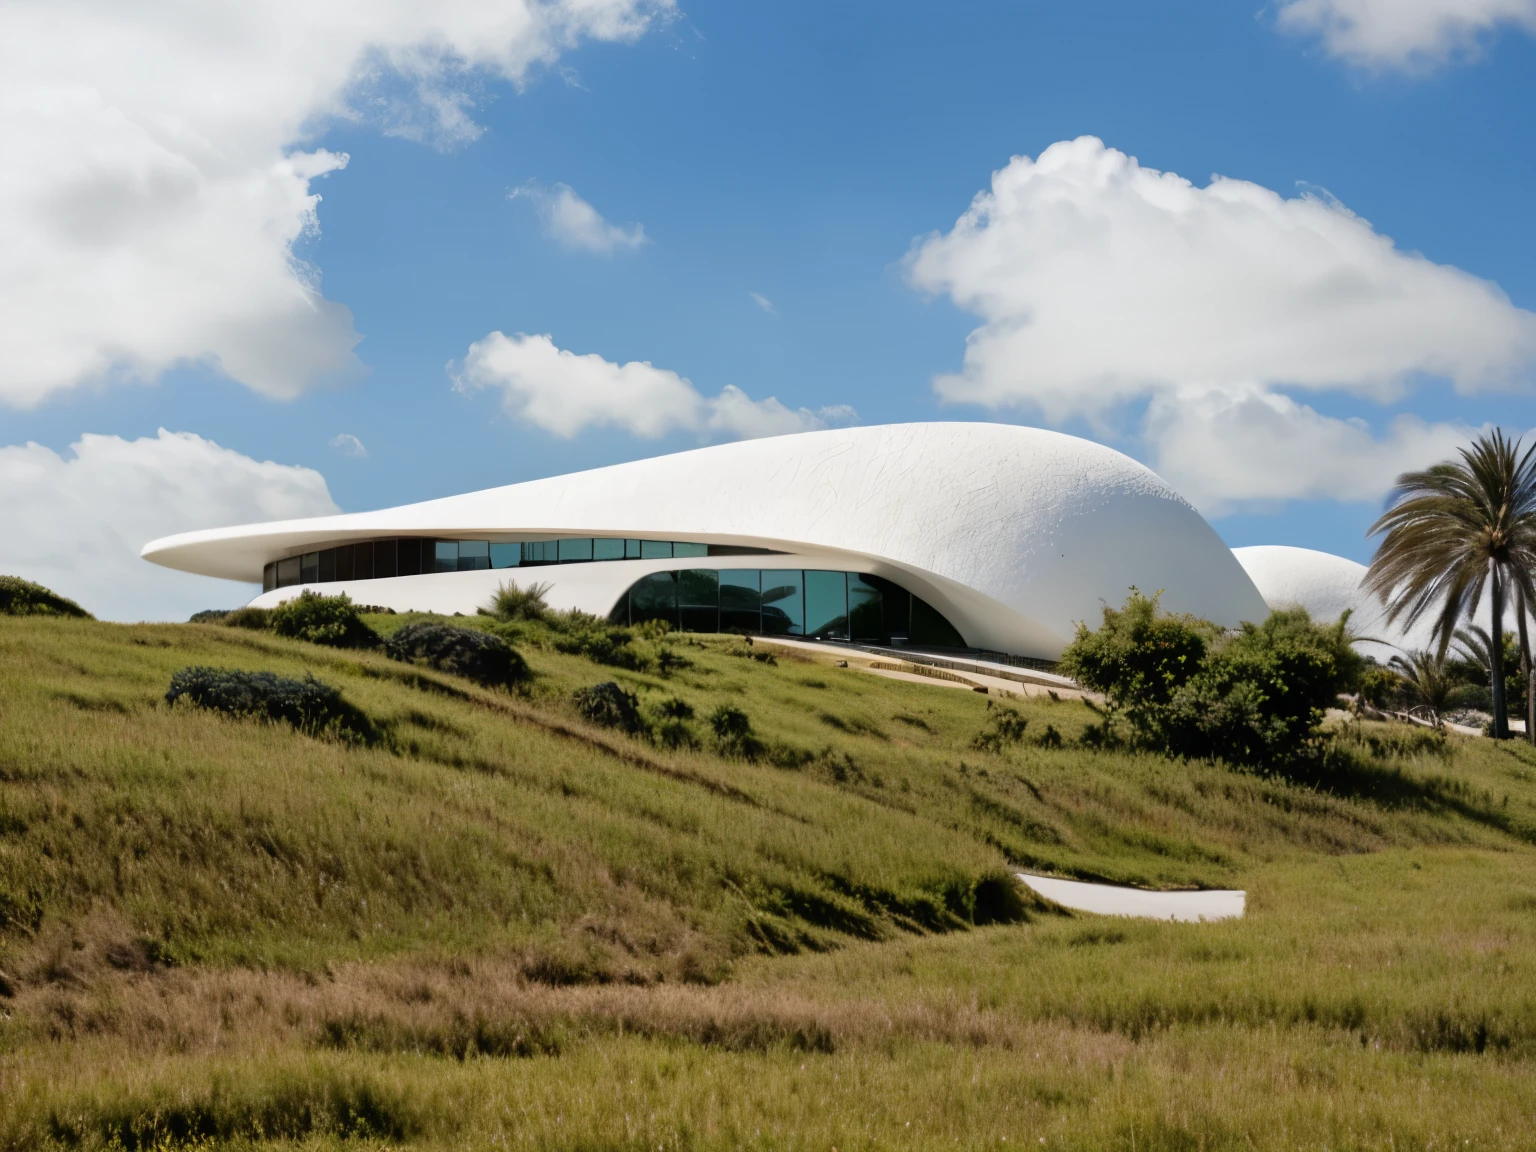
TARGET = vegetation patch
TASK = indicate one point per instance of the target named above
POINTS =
(312, 707)
(476, 655)
(20, 597)
(330, 620)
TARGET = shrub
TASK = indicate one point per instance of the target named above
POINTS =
(675, 708)
(1255, 696)
(1007, 728)
(467, 652)
(330, 620)
(20, 597)
(309, 705)
(579, 633)
(256, 619)
(609, 706)
(733, 733)
(512, 603)
(208, 616)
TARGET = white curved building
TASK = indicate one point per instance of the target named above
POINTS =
(1326, 585)
(981, 536)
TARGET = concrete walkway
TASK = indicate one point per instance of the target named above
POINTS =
(1108, 900)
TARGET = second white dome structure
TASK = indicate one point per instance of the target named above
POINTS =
(1010, 534)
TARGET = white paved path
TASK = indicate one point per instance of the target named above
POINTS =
(1108, 900)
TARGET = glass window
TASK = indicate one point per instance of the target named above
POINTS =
(408, 563)
(631, 549)
(327, 566)
(506, 555)
(895, 609)
(386, 559)
(607, 549)
(575, 550)
(443, 554)
(826, 605)
(680, 549)
(931, 630)
(288, 572)
(269, 577)
(362, 561)
(309, 568)
(655, 549)
(866, 617)
(698, 598)
(654, 597)
(344, 567)
(741, 600)
(783, 602)
(474, 555)
(540, 552)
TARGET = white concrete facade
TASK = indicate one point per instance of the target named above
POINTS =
(1013, 534)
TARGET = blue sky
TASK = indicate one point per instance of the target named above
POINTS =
(800, 152)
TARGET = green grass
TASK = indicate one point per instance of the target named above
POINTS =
(501, 925)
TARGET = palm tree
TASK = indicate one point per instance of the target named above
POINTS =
(1427, 679)
(1454, 529)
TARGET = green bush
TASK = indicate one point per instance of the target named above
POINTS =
(1180, 685)
(468, 652)
(208, 616)
(309, 705)
(1007, 728)
(579, 633)
(733, 733)
(511, 603)
(20, 597)
(330, 620)
(609, 706)
(256, 619)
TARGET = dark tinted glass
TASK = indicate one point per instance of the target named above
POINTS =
(386, 559)
(741, 600)
(575, 550)
(895, 607)
(930, 630)
(826, 605)
(631, 549)
(506, 555)
(654, 598)
(288, 572)
(408, 562)
(327, 565)
(362, 561)
(344, 566)
(269, 577)
(783, 602)
(444, 555)
(655, 549)
(698, 595)
(680, 549)
(474, 555)
(540, 552)
(866, 620)
(309, 568)
(607, 549)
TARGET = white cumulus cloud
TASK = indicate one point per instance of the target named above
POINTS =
(564, 393)
(76, 522)
(159, 167)
(1103, 285)
(573, 223)
(1411, 34)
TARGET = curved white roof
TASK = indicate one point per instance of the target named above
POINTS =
(1013, 533)
(1325, 585)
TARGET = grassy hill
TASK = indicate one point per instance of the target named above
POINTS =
(501, 924)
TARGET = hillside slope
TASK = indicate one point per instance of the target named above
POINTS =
(499, 877)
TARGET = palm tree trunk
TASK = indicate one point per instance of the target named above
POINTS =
(1496, 657)
(1525, 665)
